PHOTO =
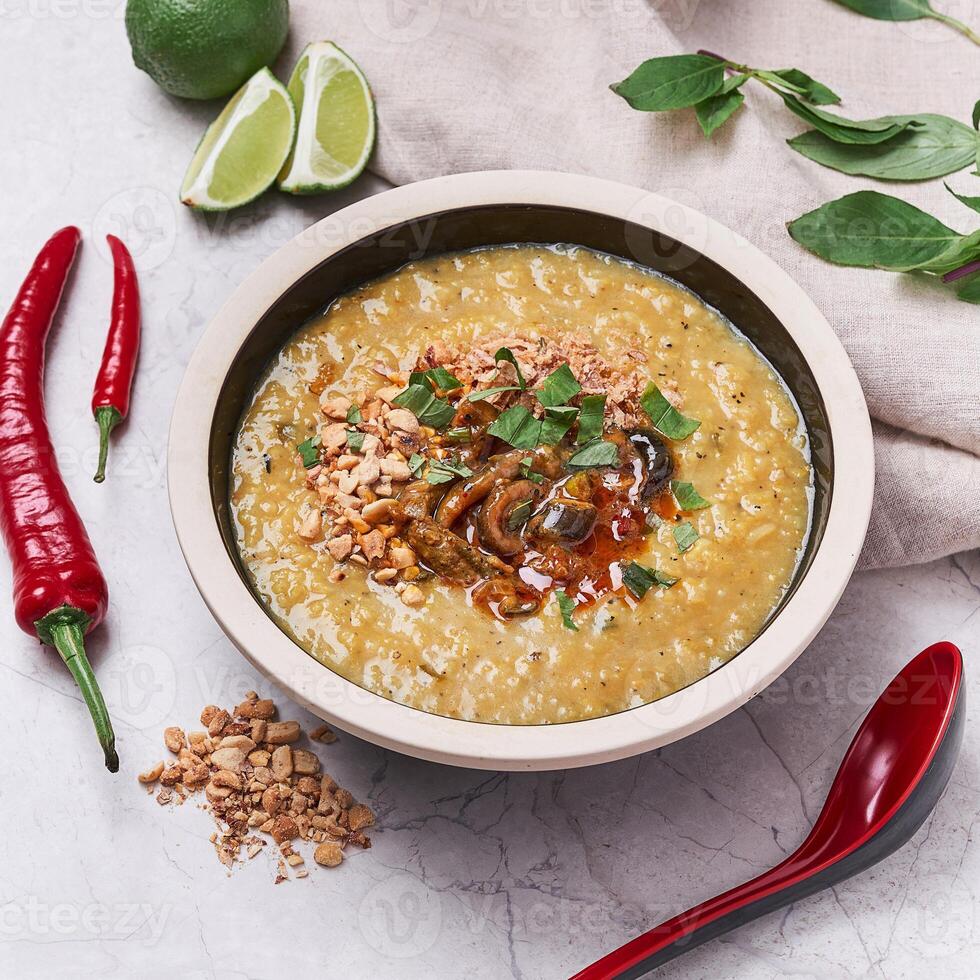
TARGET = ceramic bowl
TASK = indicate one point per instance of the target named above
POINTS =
(376, 236)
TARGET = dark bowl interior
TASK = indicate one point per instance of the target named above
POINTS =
(472, 227)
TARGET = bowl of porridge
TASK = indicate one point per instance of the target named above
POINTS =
(520, 470)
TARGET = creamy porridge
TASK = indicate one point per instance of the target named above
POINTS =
(521, 485)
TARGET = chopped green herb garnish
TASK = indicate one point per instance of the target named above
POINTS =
(639, 579)
(598, 453)
(664, 416)
(687, 497)
(415, 463)
(590, 418)
(355, 440)
(478, 396)
(525, 468)
(566, 604)
(424, 405)
(517, 427)
(444, 470)
(652, 521)
(437, 377)
(443, 380)
(309, 451)
(685, 535)
(506, 354)
(556, 422)
(461, 434)
(559, 387)
(354, 415)
(518, 516)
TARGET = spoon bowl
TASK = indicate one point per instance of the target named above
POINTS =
(890, 780)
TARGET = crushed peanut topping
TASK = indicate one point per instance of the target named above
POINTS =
(368, 446)
(256, 782)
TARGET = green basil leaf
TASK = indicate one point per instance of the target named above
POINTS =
(976, 115)
(459, 434)
(673, 82)
(639, 579)
(906, 10)
(971, 202)
(665, 418)
(733, 82)
(566, 604)
(938, 147)
(556, 422)
(519, 515)
(437, 377)
(478, 396)
(443, 380)
(527, 473)
(687, 497)
(890, 9)
(444, 470)
(685, 535)
(354, 415)
(969, 289)
(309, 451)
(558, 387)
(961, 252)
(506, 354)
(800, 82)
(355, 440)
(847, 130)
(424, 405)
(717, 110)
(874, 231)
(436, 476)
(415, 463)
(598, 453)
(517, 427)
(590, 419)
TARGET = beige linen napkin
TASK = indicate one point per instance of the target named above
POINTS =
(478, 84)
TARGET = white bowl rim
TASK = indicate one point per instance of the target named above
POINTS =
(518, 747)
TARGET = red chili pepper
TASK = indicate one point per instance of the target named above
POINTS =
(59, 591)
(110, 403)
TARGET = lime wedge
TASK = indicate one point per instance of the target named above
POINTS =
(244, 148)
(336, 121)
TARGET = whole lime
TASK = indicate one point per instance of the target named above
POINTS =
(204, 49)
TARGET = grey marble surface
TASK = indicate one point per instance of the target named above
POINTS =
(472, 874)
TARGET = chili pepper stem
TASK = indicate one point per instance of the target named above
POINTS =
(69, 640)
(107, 418)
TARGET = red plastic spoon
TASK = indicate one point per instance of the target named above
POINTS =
(890, 780)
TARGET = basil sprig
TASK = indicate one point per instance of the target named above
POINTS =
(899, 147)
(896, 10)
(877, 231)
(639, 579)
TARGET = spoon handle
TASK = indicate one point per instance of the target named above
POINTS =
(702, 923)
(813, 867)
